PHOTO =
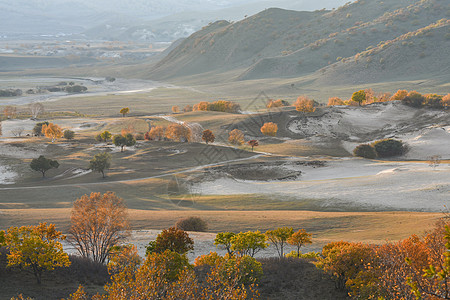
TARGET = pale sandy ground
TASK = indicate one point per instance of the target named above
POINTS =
(356, 184)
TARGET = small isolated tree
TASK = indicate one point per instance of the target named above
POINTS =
(172, 239)
(304, 104)
(335, 101)
(248, 243)
(124, 111)
(359, 97)
(269, 129)
(36, 247)
(279, 237)
(175, 109)
(37, 129)
(52, 131)
(69, 134)
(36, 109)
(208, 136)
(388, 147)
(98, 222)
(236, 137)
(298, 239)
(253, 143)
(43, 164)
(365, 150)
(17, 131)
(122, 141)
(192, 224)
(225, 239)
(105, 136)
(100, 163)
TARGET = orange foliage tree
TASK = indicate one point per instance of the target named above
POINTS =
(156, 133)
(175, 109)
(52, 131)
(201, 106)
(208, 136)
(253, 143)
(187, 108)
(400, 95)
(236, 137)
(299, 238)
(304, 104)
(269, 129)
(446, 100)
(277, 103)
(335, 101)
(98, 222)
(178, 132)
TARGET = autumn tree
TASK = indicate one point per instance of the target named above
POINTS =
(178, 132)
(446, 100)
(187, 108)
(414, 99)
(335, 101)
(156, 133)
(68, 134)
(52, 131)
(10, 111)
(36, 109)
(298, 239)
(122, 141)
(175, 109)
(208, 136)
(42, 164)
(35, 247)
(225, 239)
(98, 222)
(124, 111)
(105, 136)
(122, 257)
(269, 129)
(400, 95)
(172, 239)
(100, 162)
(37, 129)
(248, 243)
(236, 137)
(304, 104)
(277, 103)
(253, 143)
(278, 237)
(359, 97)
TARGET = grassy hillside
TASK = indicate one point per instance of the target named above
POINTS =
(282, 43)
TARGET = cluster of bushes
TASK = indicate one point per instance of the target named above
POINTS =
(10, 93)
(380, 148)
(62, 87)
(220, 105)
(412, 98)
(415, 268)
(277, 103)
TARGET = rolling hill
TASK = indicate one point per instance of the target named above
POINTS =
(281, 43)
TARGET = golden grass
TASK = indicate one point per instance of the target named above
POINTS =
(368, 227)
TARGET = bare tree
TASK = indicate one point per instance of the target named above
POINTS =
(17, 131)
(36, 109)
(98, 222)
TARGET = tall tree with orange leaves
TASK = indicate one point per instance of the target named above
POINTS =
(98, 222)
(52, 131)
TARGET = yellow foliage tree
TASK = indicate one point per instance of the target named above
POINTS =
(52, 131)
(400, 95)
(236, 137)
(36, 248)
(446, 100)
(299, 238)
(304, 104)
(124, 111)
(335, 101)
(269, 129)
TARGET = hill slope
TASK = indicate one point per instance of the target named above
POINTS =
(282, 43)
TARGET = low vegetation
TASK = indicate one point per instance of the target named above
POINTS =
(382, 148)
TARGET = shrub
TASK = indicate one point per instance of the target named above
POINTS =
(304, 104)
(139, 136)
(335, 101)
(192, 224)
(308, 255)
(414, 99)
(172, 239)
(269, 129)
(388, 147)
(366, 151)
(69, 134)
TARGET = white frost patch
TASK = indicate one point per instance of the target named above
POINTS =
(7, 176)
(428, 142)
(357, 182)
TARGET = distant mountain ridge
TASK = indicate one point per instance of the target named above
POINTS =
(280, 43)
